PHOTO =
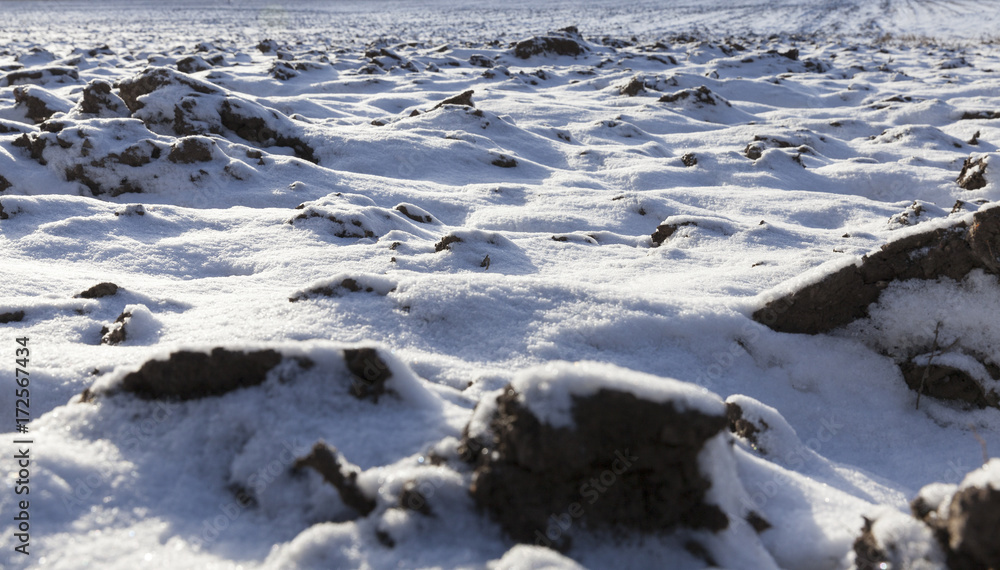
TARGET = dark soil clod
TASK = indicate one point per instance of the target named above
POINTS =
(742, 427)
(868, 555)
(188, 375)
(973, 175)
(116, 333)
(426, 219)
(255, 130)
(37, 109)
(753, 151)
(948, 383)
(845, 295)
(35, 75)
(347, 284)
(11, 317)
(504, 161)
(973, 520)
(412, 499)
(445, 243)
(758, 522)
(100, 290)
(323, 459)
(463, 99)
(792, 54)
(633, 87)
(99, 100)
(189, 150)
(985, 115)
(529, 470)
(689, 159)
(369, 372)
(564, 42)
(664, 231)
(965, 527)
(702, 95)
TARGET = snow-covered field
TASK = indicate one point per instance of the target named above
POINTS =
(277, 190)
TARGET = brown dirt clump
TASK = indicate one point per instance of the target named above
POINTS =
(99, 100)
(702, 95)
(152, 79)
(255, 130)
(743, 427)
(845, 294)
(413, 500)
(323, 459)
(504, 161)
(868, 555)
(464, 99)
(11, 317)
(564, 42)
(664, 231)
(369, 373)
(446, 241)
(973, 520)
(192, 64)
(964, 526)
(984, 115)
(116, 333)
(973, 175)
(423, 219)
(633, 87)
(347, 284)
(100, 290)
(37, 75)
(627, 463)
(36, 107)
(190, 150)
(948, 383)
(188, 375)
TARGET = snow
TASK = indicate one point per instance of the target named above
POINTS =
(328, 216)
(549, 391)
(986, 476)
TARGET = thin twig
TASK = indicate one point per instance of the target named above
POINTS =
(927, 369)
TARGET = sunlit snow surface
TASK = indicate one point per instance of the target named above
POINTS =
(863, 125)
